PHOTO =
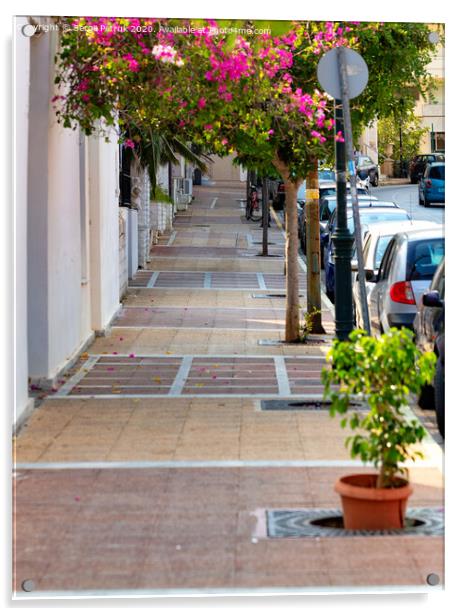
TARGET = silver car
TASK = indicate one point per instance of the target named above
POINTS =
(407, 267)
(374, 244)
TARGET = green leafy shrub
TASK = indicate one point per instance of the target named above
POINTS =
(307, 326)
(384, 372)
(160, 196)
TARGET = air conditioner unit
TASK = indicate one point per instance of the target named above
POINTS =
(188, 186)
(177, 185)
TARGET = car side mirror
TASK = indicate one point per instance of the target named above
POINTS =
(371, 276)
(432, 299)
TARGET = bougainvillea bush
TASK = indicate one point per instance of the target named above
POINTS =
(253, 92)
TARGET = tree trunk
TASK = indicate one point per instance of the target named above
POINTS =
(292, 313)
(313, 250)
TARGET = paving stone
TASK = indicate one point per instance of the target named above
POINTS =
(141, 528)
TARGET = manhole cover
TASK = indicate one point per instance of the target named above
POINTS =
(302, 405)
(281, 523)
(337, 522)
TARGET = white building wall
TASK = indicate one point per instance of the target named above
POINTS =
(144, 219)
(162, 177)
(123, 252)
(23, 404)
(54, 226)
(103, 181)
(64, 246)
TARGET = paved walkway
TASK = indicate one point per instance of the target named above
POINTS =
(166, 453)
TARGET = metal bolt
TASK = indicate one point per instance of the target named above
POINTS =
(28, 585)
(433, 579)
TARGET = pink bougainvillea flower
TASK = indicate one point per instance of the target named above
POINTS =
(339, 137)
(129, 144)
(132, 62)
(202, 102)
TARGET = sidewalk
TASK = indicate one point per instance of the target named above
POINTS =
(162, 464)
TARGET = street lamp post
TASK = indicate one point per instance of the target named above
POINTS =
(342, 240)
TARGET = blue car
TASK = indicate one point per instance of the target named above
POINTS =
(368, 215)
(432, 184)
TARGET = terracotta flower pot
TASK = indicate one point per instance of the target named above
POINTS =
(366, 507)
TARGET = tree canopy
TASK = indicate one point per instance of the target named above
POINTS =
(254, 94)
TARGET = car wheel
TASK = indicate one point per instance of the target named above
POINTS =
(426, 398)
(439, 382)
(375, 179)
(426, 202)
(421, 201)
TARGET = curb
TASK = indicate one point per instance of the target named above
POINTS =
(395, 182)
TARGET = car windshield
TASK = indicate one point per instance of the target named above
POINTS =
(424, 256)
(326, 175)
(370, 216)
(327, 192)
(437, 172)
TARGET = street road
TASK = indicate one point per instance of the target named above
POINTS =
(407, 197)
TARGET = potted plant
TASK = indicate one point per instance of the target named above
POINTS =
(383, 372)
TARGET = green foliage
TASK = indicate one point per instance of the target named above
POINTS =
(389, 133)
(383, 372)
(154, 149)
(306, 328)
(159, 195)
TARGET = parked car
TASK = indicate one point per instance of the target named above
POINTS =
(432, 184)
(375, 243)
(429, 327)
(406, 271)
(369, 214)
(326, 175)
(326, 183)
(326, 206)
(419, 162)
(367, 169)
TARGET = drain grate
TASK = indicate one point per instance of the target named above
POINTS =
(303, 405)
(425, 521)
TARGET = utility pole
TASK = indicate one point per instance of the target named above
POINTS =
(342, 240)
(265, 213)
(341, 84)
(348, 136)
